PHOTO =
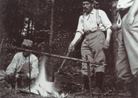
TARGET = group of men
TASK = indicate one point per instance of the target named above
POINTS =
(93, 23)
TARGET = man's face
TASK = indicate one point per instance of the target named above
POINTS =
(26, 54)
(87, 7)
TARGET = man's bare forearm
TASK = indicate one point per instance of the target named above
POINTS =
(109, 32)
(76, 38)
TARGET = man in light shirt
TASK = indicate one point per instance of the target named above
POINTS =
(23, 67)
(93, 23)
(126, 65)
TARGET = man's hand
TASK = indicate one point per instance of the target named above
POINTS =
(106, 44)
(74, 41)
(118, 23)
(114, 26)
(130, 19)
(71, 47)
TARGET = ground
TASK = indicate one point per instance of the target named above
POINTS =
(67, 83)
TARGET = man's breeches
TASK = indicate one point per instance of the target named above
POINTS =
(130, 36)
(92, 47)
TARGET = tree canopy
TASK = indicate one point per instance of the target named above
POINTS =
(66, 13)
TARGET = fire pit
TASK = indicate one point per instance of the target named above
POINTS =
(42, 86)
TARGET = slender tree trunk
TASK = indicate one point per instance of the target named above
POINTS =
(50, 68)
(51, 25)
(114, 19)
(3, 34)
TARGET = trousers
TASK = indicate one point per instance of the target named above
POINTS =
(92, 47)
(127, 65)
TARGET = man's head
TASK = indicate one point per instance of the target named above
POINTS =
(27, 44)
(87, 6)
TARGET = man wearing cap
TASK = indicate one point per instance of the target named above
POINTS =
(93, 23)
(126, 65)
(23, 67)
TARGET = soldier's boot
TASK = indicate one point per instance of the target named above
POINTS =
(86, 81)
(85, 89)
(99, 81)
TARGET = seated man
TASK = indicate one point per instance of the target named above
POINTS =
(23, 68)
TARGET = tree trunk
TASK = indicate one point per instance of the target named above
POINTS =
(51, 25)
(3, 34)
(50, 69)
(114, 36)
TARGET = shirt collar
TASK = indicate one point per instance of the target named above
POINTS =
(93, 11)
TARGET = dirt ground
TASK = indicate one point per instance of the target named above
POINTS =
(63, 82)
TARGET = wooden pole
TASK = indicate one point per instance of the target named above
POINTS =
(52, 55)
(89, 76)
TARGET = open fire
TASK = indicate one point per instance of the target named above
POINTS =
(42, 86)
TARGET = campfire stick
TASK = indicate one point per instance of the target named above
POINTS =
(89, 75)
(63, 62)
(53, 55)
(29, 75)
(15, 80)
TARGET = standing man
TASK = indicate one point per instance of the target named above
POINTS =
(23, 67)
(93, 23)
(127, 62)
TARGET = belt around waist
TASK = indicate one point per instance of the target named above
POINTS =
(88, 32)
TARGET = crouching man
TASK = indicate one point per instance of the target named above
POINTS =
(23, 67)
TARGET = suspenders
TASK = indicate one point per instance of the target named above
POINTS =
(98, 20)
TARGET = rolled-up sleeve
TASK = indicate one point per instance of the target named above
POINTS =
(35, 70)
(105, 20)
(80, 25)
(12, 66)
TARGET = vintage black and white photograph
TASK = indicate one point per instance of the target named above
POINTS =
(68, 49)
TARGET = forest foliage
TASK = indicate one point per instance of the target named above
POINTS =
(66, 14)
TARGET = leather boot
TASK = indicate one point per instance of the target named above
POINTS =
(99, 81)
(86, 81)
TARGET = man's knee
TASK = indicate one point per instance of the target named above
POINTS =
(101, 68)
